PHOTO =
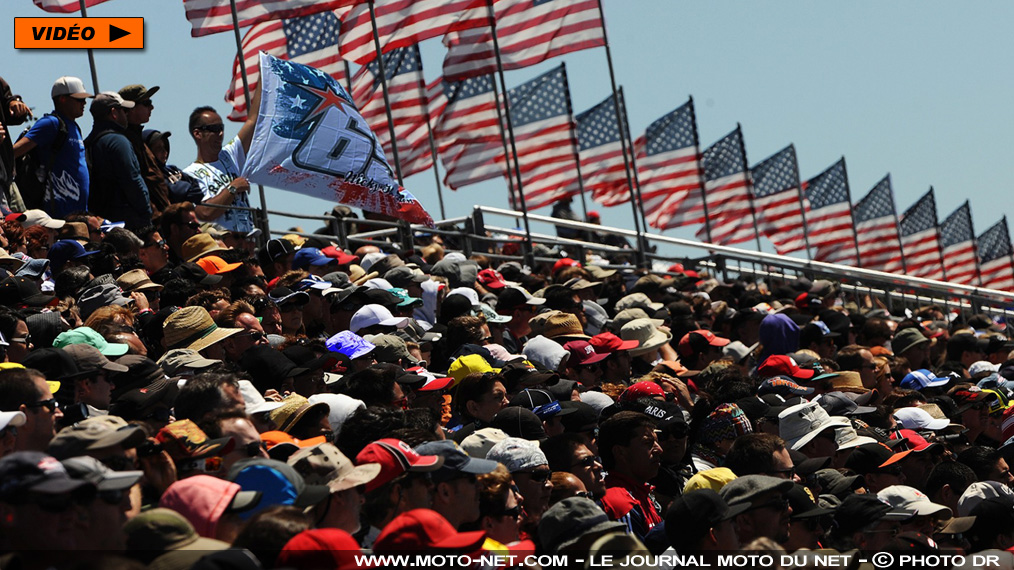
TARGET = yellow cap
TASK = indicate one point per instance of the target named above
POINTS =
(713, 479)
(469, 364)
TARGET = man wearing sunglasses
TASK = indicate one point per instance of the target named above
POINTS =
(38, 513)
(217, 168)
(769, 511)
(117, 191)
(158, 190)
(28, 392)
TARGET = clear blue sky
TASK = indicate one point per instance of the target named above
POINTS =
(918, 89)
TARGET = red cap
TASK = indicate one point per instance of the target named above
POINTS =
(342, 257)
(395, 457)
(1007, 424)
(783, 365)
(696, 341)
(582, 353)
(675, 268)
(421, 530)
(914, 441)
(609, 343)
(15, 217)
(593, 215)
(433, 382)
(645, 389)
(320, 548)
(564, 263)
(492, 279)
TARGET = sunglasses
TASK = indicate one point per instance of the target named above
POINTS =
(254, 335)
(51, 405)
(119, 463)
(215, 128)
(25, 340)
(253, 449)
(588, 461)
(147, 103)
(540, 476)
(585, 494)
(112, 497)
(64, 501)
(776, 504)
(513, 513)
(159, 243)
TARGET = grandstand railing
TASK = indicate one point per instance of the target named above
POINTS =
(476, 234)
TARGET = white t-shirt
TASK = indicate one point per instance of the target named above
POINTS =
(213, 177)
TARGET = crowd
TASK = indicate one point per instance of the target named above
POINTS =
(178, 391)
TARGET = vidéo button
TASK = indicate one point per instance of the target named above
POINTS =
(78, 33)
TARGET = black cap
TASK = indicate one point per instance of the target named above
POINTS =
(868, 458)
(54, 363)
(516, 421)
(696, 512)
(277, 248)
(803, 504)
(268, 367)
(583, 418)
(541, 402)
(195, 273)
(142, 371)
(21, 291)
(139, 403)
(26, 472)
(967, 342)
(858, 511)
(525, 374)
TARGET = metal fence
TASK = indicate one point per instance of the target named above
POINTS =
(485, 229)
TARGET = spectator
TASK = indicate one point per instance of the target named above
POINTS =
(118, 190)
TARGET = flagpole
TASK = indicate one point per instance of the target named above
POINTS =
(897, 227)
(91, 54)
(700, 168)
(848, 194)
(573, 138)
(511, 191)
(749, 185)
(246, 95)
(802, 203)
(383, 88)
(348, 76)
(936, 225)
(530, 254)
(975, 244)
(625, 132)
(433, 145)
(635, 193)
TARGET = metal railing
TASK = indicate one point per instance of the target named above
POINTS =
(474, 235)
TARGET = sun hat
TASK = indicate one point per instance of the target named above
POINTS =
(799, 424)
(197, 246)
(193, 328)
(645, 332)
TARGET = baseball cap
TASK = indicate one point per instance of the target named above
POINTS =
(311, 257)
(185, 441)
(456, 461)
(608, 343)
(697, 341)
(215, 265)
(922, 378)
(492, 279)
(783, 365)
(68, 85)
(911, 499)
(24, 472)
(421, 530)
(372, 315)
(324, 464)
(94, 433)
(277, 482)
(858, 511)
(395, 457)
(107, 101)
(582, 353)
(138, 92)
(88, 336)
(513, 297)
(95, 472)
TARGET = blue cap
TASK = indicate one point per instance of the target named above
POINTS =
(64, 251)
(308, 256)
(350, 344)
(922, 378)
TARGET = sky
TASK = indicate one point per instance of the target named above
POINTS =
(921, 90)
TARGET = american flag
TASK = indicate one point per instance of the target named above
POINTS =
(401, 23)
(528, 32)
(957, 241)
(777, 201)
(407, 93)
(877, 229)
(214, 16)
(468, 133)
(668, 166)
(829, 216)
(601, 151)
(996, 265)
(545, 142)
(727, 191)
(310, 40)
(65, 6)
(920, 239)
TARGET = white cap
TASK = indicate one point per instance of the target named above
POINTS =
(341, 406)
(378, 283)
(980, 491)
(72, 86)
(910, 499)
(982, 366)
(370, 315)
(915, 419)
(41, 218)
(254, 401)
(847, 438)
(370, 258)
(15, 419)
(468, 292)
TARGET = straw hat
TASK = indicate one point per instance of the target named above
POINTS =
(293, 409)
(644, 331)
(200, 245)
(848, 381)
(193, 328)
(563, 325)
